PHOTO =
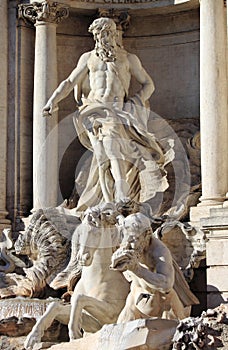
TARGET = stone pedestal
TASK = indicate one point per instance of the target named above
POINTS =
(216, 228)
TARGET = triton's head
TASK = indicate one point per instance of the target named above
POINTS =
(137, 232)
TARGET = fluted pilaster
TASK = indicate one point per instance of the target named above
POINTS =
(3, 108)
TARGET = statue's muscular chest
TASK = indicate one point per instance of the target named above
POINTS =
(111, 70)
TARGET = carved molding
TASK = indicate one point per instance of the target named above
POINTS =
(121, 17)
(46, 11)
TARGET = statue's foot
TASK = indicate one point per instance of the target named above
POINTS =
(76, 334)
(33, 338)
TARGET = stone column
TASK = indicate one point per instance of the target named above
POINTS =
(214, 143)
(3, 108)
(46, 15)
(213, 102)
(25, 49)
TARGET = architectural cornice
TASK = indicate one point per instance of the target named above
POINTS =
(45, 11)
(135, 7)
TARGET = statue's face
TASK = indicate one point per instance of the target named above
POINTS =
(104, 37)
(132, 239)
(135, 230)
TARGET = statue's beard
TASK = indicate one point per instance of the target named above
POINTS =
(105, 51)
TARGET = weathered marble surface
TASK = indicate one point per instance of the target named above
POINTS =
(152, 334)
(209, 331)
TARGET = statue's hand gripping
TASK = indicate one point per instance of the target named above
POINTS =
(49, 109)
(123, 260)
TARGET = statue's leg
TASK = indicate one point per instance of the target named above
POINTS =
(118, 170)
(90, 324)
(176, 305)
(55, 310)
(118, 166)
(129, 311)
(102, 168)
(103, 164)
(103, 311)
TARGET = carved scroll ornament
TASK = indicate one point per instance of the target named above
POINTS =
(121, 18)
(46, 11)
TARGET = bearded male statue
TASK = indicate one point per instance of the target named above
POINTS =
(128, 161)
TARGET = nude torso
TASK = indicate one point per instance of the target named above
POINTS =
(109, 81)
(142, 302)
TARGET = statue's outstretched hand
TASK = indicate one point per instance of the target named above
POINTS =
(49, 109)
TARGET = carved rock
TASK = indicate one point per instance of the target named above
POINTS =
(152, 334)
(175, 234)
(208, 332)
(14, 327)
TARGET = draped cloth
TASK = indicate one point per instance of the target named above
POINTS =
(126, 138)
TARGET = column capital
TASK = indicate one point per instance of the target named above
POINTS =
(45, 11)
(120, 17)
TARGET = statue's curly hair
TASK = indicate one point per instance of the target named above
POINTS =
(103, 23)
